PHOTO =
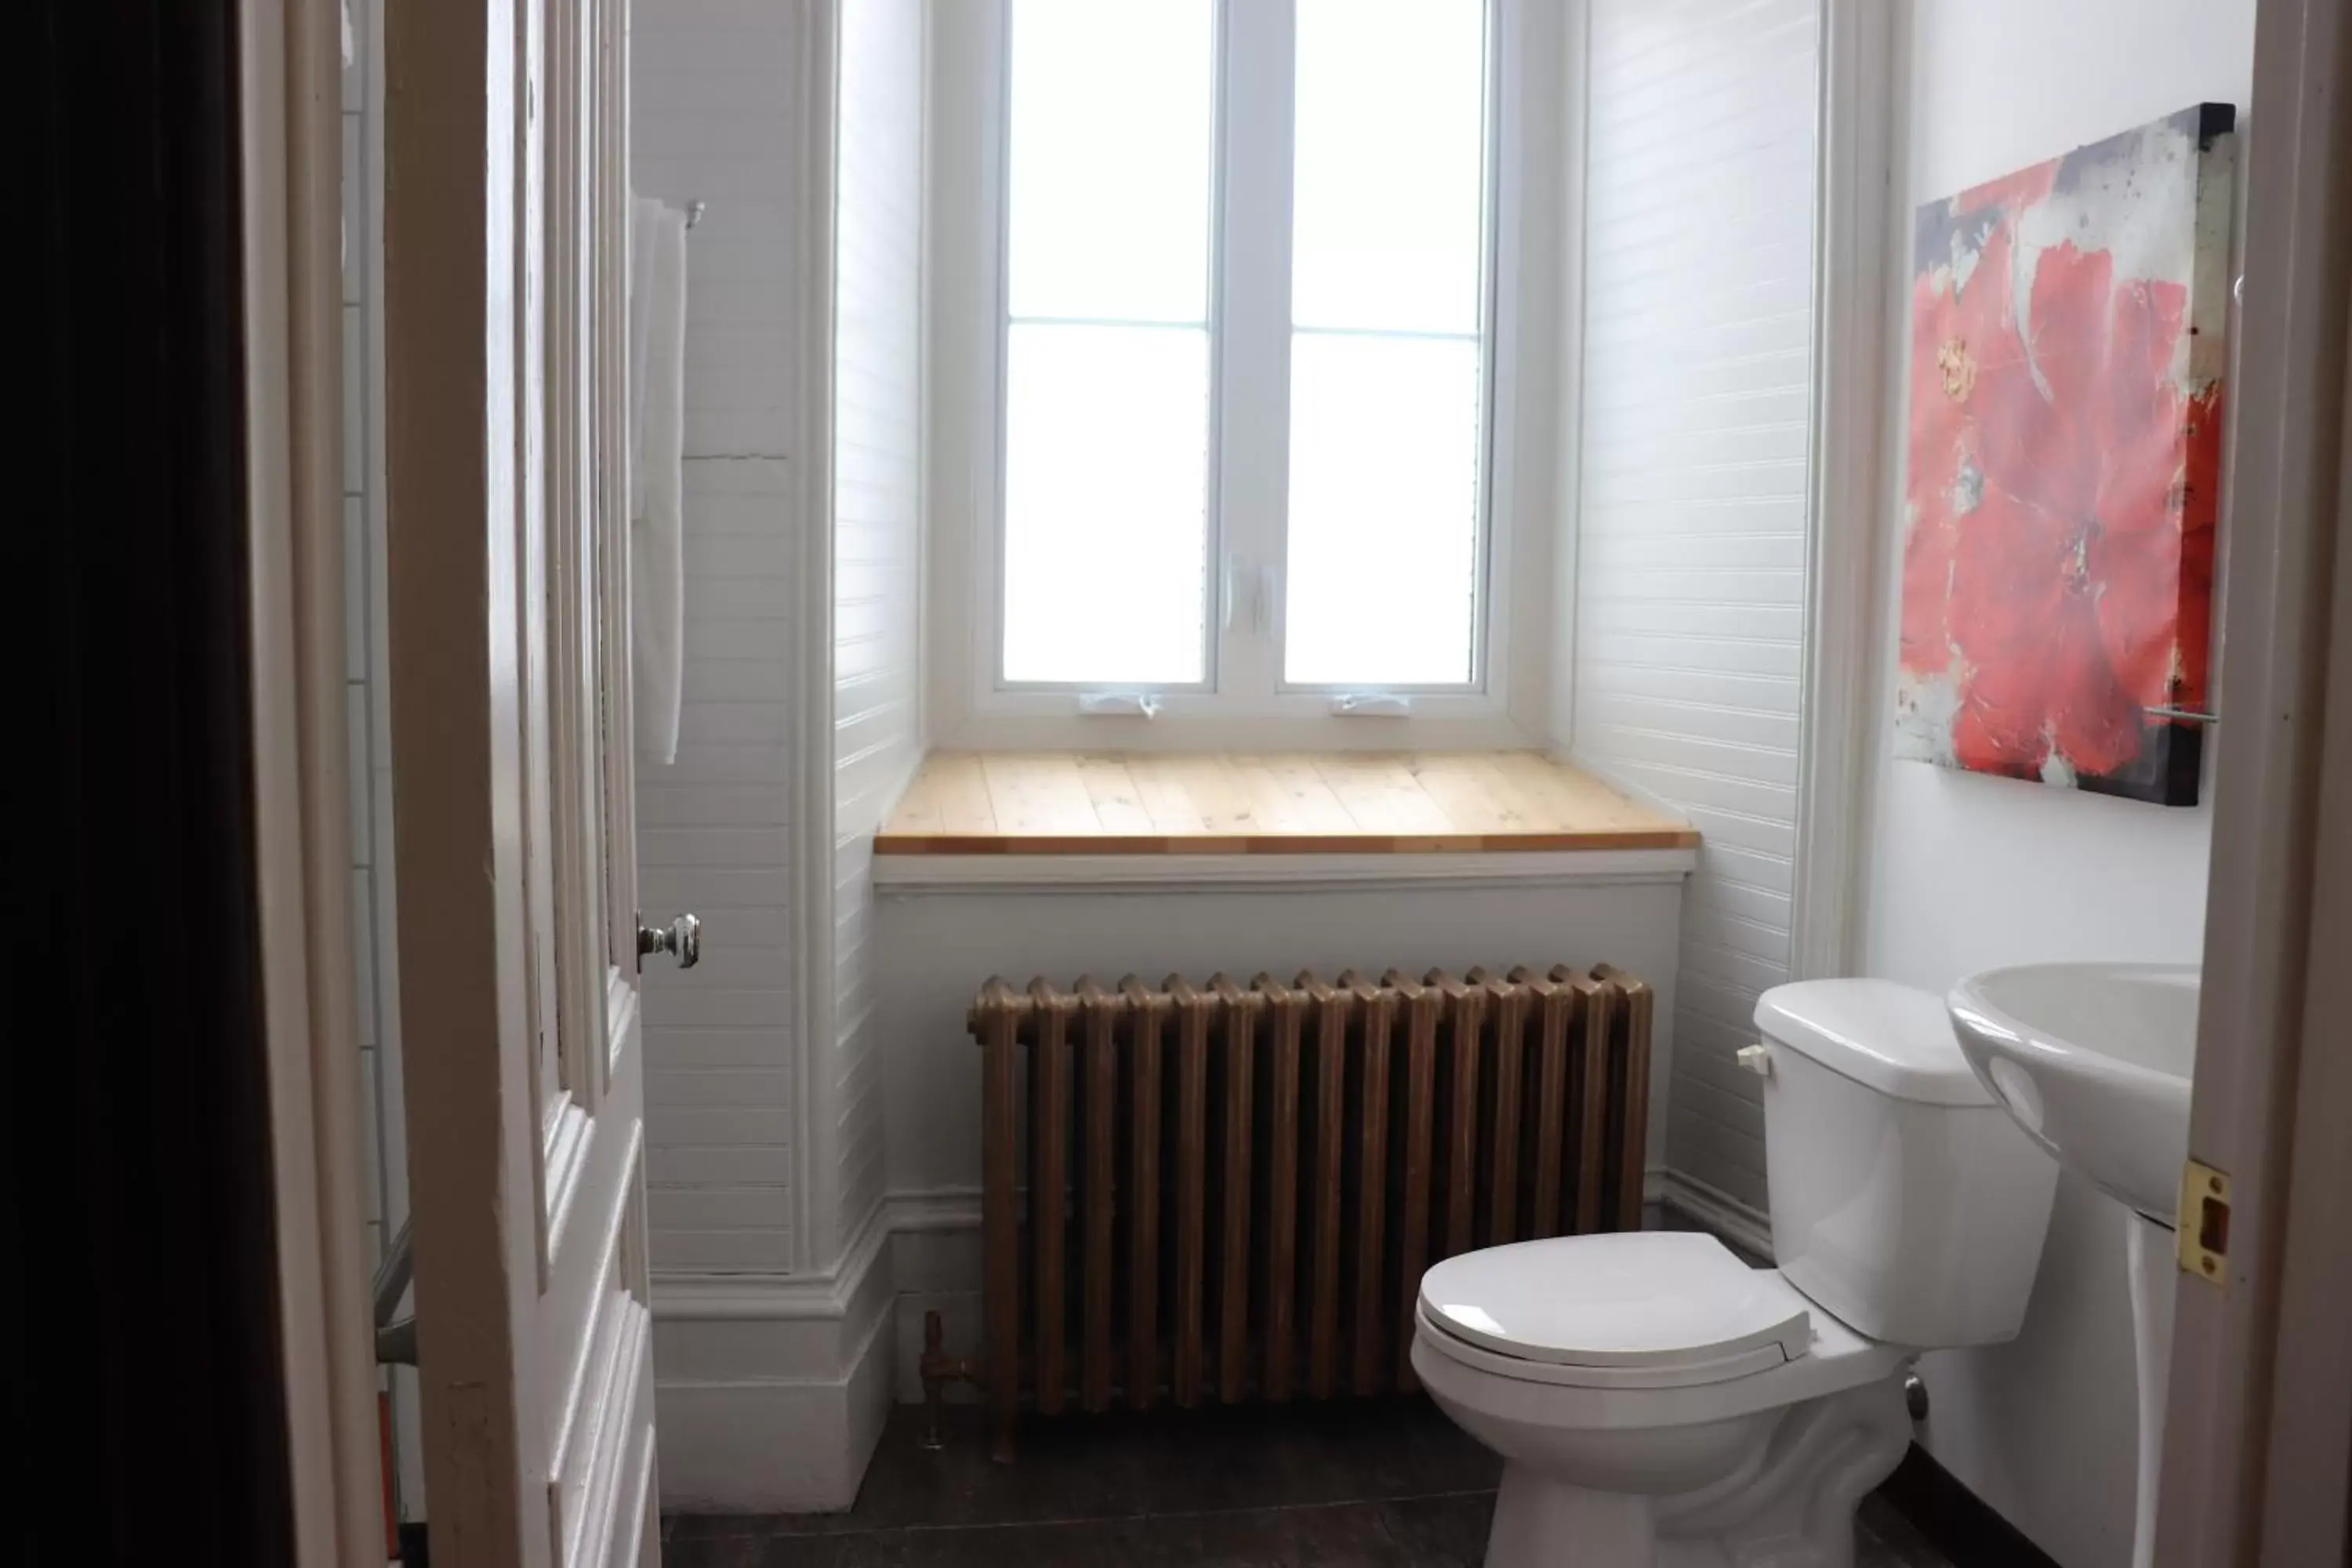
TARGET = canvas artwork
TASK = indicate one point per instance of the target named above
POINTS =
(2064, 461)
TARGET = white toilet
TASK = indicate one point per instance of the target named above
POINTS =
(1656, 1401)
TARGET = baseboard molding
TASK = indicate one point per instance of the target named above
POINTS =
(770, 1391)
(776, 1445)
(777, 1385)
(1718, 1213)
(829, 1295)
(1956, 1521)
(814, 1297)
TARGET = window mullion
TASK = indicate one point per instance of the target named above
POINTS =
(1253, 341)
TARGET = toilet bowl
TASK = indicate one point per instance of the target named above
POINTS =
(1656, 1401)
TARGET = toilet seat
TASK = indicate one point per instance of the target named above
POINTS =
(1627, 1310)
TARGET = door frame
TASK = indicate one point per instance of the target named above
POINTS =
(2258, 1442)
(290, 108)
(1857, 182)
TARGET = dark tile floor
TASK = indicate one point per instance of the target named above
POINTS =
(1383, 1485)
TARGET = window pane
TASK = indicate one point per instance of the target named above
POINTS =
(1382, 587)
(1387, 383)
(1390, 171)
(1109, 165)
(1104, 504)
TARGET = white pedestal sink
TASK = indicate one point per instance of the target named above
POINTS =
(2093, 1061)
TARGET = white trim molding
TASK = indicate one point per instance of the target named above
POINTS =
(795, 1441)
(2254, 1435)
(823, 1296)
(1837, 748)
(1717, 1212)
(900, 874)
(773, 1388)
(287, 123)
(818, 1376)
(809, 741)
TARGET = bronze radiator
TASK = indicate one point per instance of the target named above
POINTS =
(1227, 1192)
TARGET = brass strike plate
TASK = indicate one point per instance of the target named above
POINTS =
(2204, 1234)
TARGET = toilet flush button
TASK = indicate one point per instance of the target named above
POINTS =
(1756, 1059)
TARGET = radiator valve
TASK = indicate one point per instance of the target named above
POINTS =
(938, 1369)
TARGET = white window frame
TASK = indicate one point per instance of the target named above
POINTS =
(1242, 701)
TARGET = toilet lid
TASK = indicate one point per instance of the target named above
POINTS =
(1632, 1299)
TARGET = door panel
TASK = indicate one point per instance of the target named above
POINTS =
(506, 258)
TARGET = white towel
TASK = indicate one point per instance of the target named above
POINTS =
(657, 475)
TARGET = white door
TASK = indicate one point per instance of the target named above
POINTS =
(505, 259)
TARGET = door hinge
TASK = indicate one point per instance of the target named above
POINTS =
(2204, 1220)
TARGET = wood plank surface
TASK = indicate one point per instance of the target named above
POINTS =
(1148, 802)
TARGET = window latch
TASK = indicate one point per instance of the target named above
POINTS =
(1120, 704)
(1370, 705)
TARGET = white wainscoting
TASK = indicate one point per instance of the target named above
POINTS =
(718, 116)
(940, 944)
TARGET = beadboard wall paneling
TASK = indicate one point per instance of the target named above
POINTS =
(1696, 392)
(717, 118)
(878, 497)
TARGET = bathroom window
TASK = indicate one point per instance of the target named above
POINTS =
(1111, 130)
(1232, 306)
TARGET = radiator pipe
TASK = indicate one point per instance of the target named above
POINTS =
(938, 1370)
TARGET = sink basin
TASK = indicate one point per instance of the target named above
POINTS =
(2093, 1061)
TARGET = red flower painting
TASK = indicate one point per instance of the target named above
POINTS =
(2063, 461)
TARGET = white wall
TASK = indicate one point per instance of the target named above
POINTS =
(878, 498)
(803, 582)
(717, 104)
(1964, 871)
(1696, 396)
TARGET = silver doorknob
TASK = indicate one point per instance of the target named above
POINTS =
(682, 941)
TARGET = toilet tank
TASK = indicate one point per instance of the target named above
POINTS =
(1905, 1201)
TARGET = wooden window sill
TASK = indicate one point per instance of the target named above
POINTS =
(1455, 806)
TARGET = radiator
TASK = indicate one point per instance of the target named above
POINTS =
(1219, 1191)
